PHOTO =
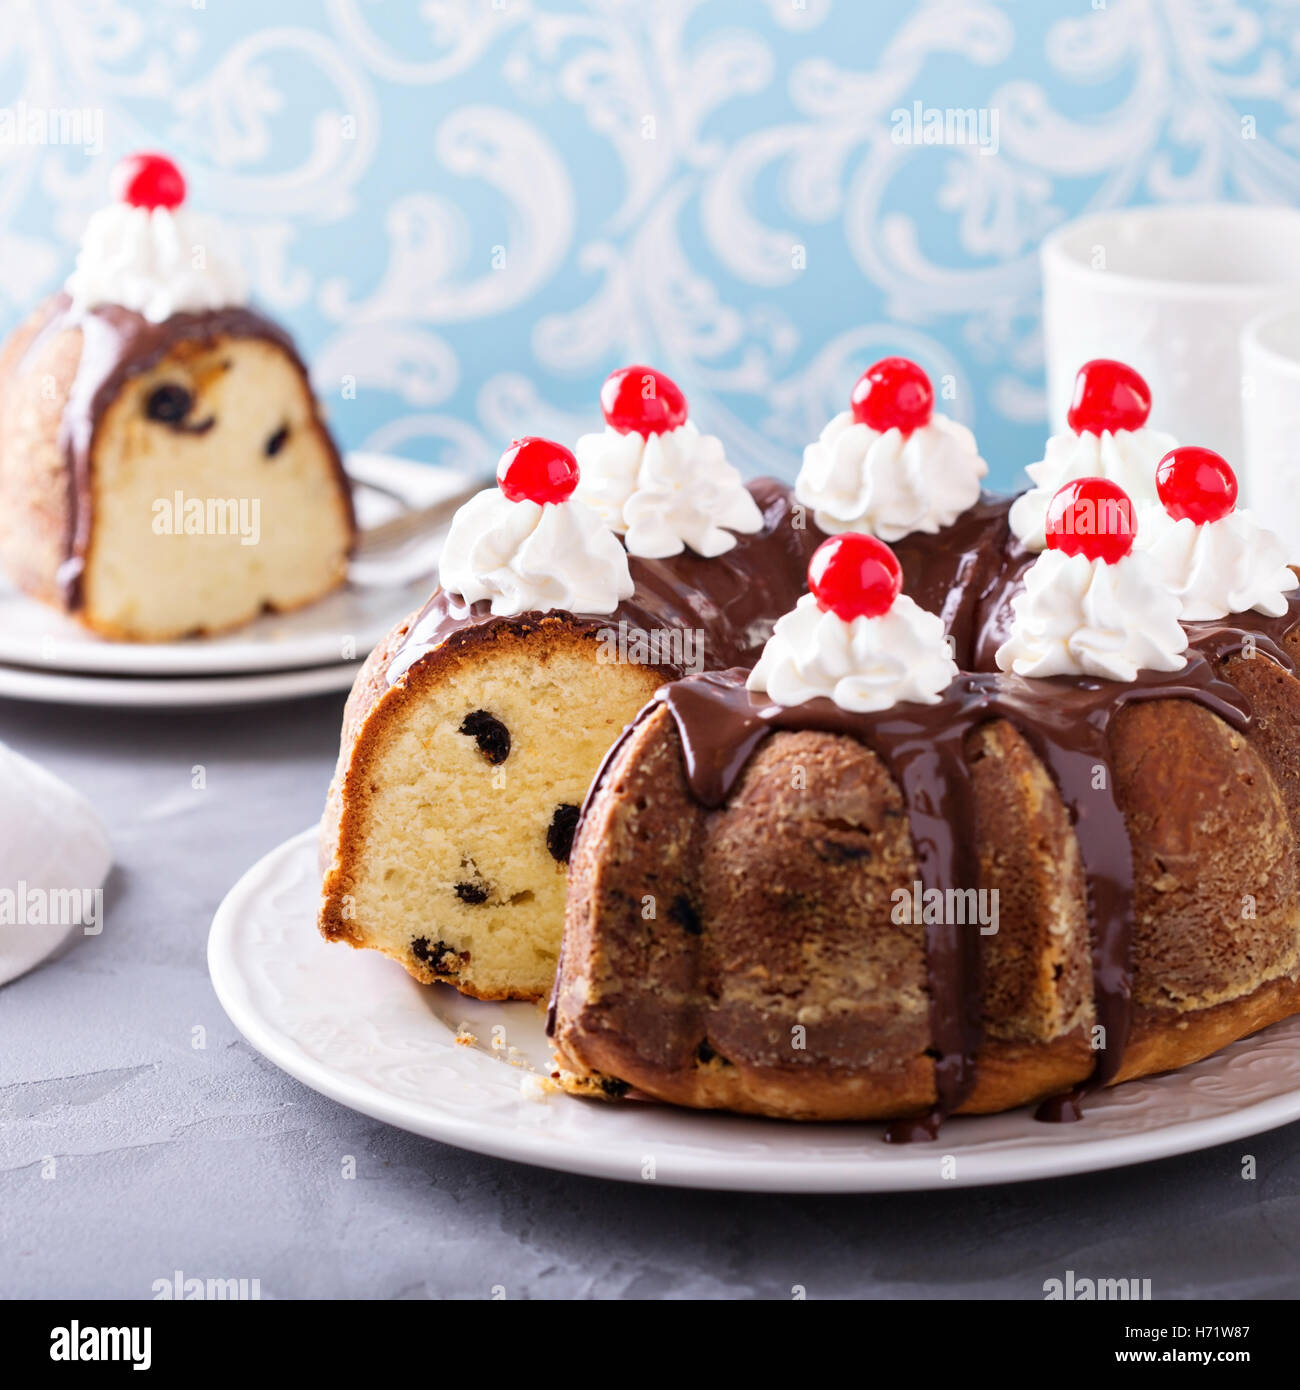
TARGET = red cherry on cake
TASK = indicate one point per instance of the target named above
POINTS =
(641, 400)
(893, 394)
(1108, 395)
(1092, 517)
(854, 576)
(1196, 484)
(148, 181)
(537, 470)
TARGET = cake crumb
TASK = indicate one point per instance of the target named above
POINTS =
(465, 1037)
(534, 1086)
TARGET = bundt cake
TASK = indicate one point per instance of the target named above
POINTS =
(1003, 813)
(164, 467)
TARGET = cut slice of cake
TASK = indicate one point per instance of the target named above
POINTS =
(164, 467)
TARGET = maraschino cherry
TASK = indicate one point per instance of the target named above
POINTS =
(1108, 395)
(1196, 484)
(854, 576)
(1092, 517)
(148, 181)
(537, 470)
(893, 393)
(641, 400)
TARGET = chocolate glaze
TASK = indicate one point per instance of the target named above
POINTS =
(960, 573)
(733, 599)
(117, 344)
(969, 577)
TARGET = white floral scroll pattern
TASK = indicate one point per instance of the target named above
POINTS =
(470, 210)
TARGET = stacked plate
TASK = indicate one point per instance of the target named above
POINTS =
(46, 657)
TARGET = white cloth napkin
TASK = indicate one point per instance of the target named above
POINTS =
(54, 858)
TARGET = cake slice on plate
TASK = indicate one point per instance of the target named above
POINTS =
(164, 467)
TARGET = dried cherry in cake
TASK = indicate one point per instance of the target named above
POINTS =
(559, 834)
(169, 403)
(491, 735)
(439, 956)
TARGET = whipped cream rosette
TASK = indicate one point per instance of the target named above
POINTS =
(855, 638)
(1107, 438)
(889, 466)
(655, 479)
(1214, 557)
(1092, 605)
(528, 545)
(150, 253)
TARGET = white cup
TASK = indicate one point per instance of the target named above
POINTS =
(1270, 403)
(1168, 290)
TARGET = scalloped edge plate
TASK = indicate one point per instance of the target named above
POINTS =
(355, 1027)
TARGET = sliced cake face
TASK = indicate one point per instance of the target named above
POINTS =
(460, 802)
(473, 734)
(215, 493)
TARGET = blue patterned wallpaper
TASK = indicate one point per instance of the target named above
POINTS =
(469, 212)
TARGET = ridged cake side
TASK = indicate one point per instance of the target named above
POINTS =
(752, 962)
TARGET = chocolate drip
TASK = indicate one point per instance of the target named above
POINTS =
(118, 344)
(1222, 638)
(992, 622)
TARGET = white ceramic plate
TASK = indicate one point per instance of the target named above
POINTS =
(35, 636)
(173, 692)
(355, 1027)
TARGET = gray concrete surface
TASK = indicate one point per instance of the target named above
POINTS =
(212, 1162)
